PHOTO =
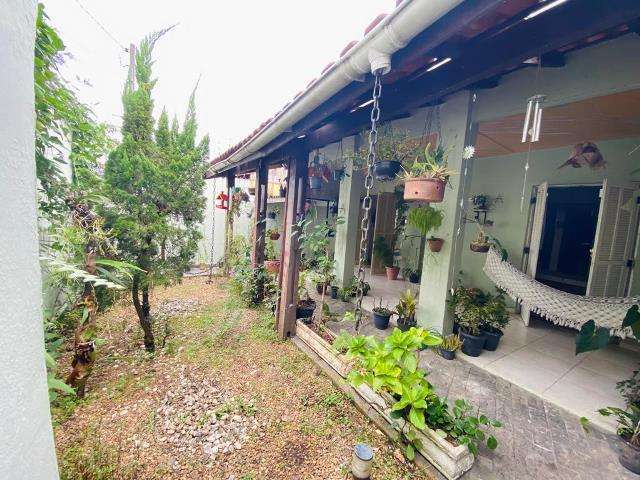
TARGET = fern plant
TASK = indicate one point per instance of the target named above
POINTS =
(425, 218)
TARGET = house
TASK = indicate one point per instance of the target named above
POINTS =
(548, 94)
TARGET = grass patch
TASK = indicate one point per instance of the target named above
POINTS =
(264, 328)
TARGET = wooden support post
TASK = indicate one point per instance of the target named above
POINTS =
(259, 215)
(294, 211)
(228, 226)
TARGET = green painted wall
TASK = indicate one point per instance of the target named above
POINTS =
(504, 175)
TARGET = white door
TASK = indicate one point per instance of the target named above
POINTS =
(535, 240)
(613, 250)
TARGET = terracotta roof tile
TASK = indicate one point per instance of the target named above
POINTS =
(348, 47)
(375, 22)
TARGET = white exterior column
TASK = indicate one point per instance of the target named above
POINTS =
(26, 437)
(348, 209)
(439, 270)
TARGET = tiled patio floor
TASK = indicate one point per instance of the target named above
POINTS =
(539, 439)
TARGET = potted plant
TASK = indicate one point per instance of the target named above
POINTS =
(382, 250)
(425, 218)
(435, 243)
(426, 178)
(272, 214)
(392, 149)
(449, 346)
(317, 172)
(481, 243)
(467, 311)
(344, 294)
(273, 234)
(334, 291)
(271, 262)
(381, 316)
(305, 305)
(406, 310)
(495, 319)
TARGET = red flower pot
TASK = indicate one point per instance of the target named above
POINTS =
(435, 244)
(274, 236)
(425, 189)
(272, 266)
(392, 272)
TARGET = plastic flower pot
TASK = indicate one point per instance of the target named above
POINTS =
(315, 183)
(472, 344)
(272, 266)
(479, 247)
(424, 189)
(305, 309)
(271, 215)
(447, 354)
(392, 272)
(414, 278)
(404, 324)
(274, 236)
(435, 244)
(381, 321)
(492, 339)
(334, 292)
(386, 170)
(629, 457)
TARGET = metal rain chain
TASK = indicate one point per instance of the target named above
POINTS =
(368, 184)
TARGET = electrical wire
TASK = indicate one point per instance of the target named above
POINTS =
(102, 27)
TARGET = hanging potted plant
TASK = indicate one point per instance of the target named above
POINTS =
(385, 254)
(481, 243)
(406, 310)
(392, 149)
(427, 178)
(467, 310)
(435, 243)
(273, 234)
(273, 213)
(381, 316)
(449, 346)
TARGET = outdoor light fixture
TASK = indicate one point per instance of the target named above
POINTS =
(362, 461)
(442, 62)
(362, 105)
(546, 7)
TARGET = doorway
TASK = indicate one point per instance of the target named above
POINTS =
(568, 236)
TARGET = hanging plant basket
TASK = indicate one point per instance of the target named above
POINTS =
(337, 174)
(424, 189)
(386, 170)
(271, 215)
(274, 236)
(479, 247)
(315, 183)
(272, 266)
(435, 244)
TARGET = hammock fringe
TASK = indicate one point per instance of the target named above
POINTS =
(561, 308)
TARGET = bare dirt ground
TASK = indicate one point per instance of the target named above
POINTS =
(222, 398)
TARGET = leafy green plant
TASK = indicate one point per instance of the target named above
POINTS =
(385, 311)
(383, 251)
(406, 307)
(434, 165)
(425, 218)
(474, 309)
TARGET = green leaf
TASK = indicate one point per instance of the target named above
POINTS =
(632, 319)
(416, 417)
(591, 338)
(492, 443)
(410, 452)
(56, 384)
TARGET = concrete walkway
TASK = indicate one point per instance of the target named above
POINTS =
(538, 440)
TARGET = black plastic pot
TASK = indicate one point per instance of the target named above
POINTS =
(629, 457)
(386, 170)
(365, 289)
(305, 309)
(472, 344)
(271, 215)
(448, 354)
(492, 339)
(321, 288)
(334, 292)
(315, 183)
(414, 278)
(380, 321)
(405, 324)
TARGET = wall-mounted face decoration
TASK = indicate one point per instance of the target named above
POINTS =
(587, 154)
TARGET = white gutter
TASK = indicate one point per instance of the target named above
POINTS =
(374, 51)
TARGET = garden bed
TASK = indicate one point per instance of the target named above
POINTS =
(449, 459)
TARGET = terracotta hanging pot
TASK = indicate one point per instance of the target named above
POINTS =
(272, 266)
(274, 236)
(479, 247)
(392, 272)
(425, 189)
(435, 244)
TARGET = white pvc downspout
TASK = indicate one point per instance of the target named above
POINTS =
(371, 53)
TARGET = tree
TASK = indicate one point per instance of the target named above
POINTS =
(155, 181)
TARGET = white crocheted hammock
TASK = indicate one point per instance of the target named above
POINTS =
(559, 307)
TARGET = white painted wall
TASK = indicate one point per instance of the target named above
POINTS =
(26, 438)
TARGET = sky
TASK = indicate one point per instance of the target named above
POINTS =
(251, 56)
